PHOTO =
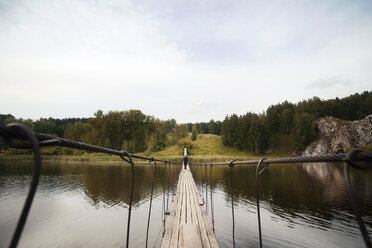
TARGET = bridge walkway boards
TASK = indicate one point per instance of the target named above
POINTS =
(188, 224)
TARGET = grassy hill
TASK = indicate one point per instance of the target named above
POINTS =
(207, 147)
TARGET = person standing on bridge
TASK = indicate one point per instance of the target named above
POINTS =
(185, 161)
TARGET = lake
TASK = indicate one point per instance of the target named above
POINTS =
(86, 205)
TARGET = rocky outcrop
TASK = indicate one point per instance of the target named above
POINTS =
(337, 135)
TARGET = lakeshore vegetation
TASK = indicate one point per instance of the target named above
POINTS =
(284, 128)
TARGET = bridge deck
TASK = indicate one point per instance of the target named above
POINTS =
(188, 224)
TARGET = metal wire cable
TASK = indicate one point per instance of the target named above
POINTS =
(201, 181)
(360, 156)
(130, 161)
(212, 203)
(167, 211)
(34, 140)
(173, 180)
(46, 140)
(163, 208)
(354, 205)
(259, 172)
(26, 138)
(34, 182)
(149, 216)
(206, 188)
(231, 165)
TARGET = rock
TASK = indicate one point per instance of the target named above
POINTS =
(337, 135)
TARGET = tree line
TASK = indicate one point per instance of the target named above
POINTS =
(288, 126)
(211, 127)
(283, 126)
(130, 130)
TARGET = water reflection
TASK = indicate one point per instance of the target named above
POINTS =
(85, 205)
(84, 202)
(303, 196)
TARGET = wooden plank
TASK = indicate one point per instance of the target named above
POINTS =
(183, 205)
(192, 199)
(176, 226)
(188, 199)
(188, 225)
(197, 220)
(202, 229)
(172, 218)
(208, 226)
(189, 237)
(169, 227)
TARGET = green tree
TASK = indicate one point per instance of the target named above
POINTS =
(185, 143)
(304, 129)
(194, 133)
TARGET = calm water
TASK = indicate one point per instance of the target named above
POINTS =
(86, 205)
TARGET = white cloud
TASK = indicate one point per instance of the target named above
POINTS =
(192, 61)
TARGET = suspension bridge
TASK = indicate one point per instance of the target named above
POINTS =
(187, 224)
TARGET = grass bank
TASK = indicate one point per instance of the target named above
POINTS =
(207, 148)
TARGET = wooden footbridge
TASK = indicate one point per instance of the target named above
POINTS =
(188, 224)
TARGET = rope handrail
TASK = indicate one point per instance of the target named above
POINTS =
(340, 157)
(34, 140)
(349, 159)
(12, 131)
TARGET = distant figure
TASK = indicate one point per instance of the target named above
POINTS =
(185, 161)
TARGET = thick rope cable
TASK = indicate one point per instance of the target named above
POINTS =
(212, 203)
(149, 216)
(34, 140)
(46, 140)
(360, 156)
(201, 181)
(259, 172)
(163, 208)
(173, 182)
(26, 139)
(130, 161)
(231, 165)
(206, 188)
(168, 176)
(22, 129)
(348, 162)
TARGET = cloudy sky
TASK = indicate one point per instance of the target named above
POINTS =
(192, 60)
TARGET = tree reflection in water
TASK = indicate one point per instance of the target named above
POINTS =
(311, 195)
(302, 205)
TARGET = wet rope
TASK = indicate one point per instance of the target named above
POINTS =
(167, 211)
(231, 165)
(26, 138)
(10, 133)
(163, 207)
(173, 182)
(206, 188)
(130, 161)
(340, 157)
(212, 203)
(152, 191)
(157, 236)
(259, 172)
(22, 129)
(201, 182)
(348, 162)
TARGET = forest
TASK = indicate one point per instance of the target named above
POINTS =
(290, 127)
(282, 127)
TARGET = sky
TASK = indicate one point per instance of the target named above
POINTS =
(191, 60)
